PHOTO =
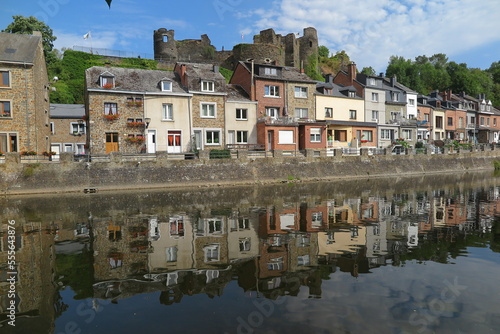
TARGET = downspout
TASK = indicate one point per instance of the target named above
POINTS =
(27, 109)
(191, 132)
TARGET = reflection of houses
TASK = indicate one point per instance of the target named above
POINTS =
(211, 242)
(242, 239)
(34, 287)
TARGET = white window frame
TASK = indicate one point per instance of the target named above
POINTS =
(112, 108)
(80, 128)
(301, 92)
(353, 114)
(207, 86)
(241, 114)
(52, 128)
(7, 135)
(375, 97)
(80, 148)
(9, 102)
(286, 137)
(328, 112)
(371, 81)
(211, 253)
(167, 112)
(406, 134)
(270, 71)
(9, 78)
(315, 135)
(385, 134)
(166, 89)
(412, 102)
(271, 91)
(272, 110)
(301, 112)
(241, 137)
(208, 113)
(367, 135)
(395, 96)
(104, 79)
(375, 115)
(212, 132)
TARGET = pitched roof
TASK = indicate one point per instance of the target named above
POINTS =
(18, 48)
(287, 73)
(202, 71)
(134, 80)
(67, 110)
(237, 93)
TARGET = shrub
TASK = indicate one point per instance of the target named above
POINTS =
(220, 154)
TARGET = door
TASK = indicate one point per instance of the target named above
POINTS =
(151, 145)
(197, 140)
(111, 142)
(231, 138)
(270, 136)
(174, 142)
(57, 149)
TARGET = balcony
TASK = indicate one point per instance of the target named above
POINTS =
(471, 126)
(279, 121)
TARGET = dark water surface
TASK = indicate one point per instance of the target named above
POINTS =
(399, 255)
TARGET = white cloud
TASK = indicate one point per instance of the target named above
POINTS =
(371, 31)
(99, 39)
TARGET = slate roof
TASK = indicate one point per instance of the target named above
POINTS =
(202, 71)
(237, 93)
(18, 48)
(337, 90)
(67, 110)
(287, 73)
(134, 80)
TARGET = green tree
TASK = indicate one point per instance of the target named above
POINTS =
(26, 25)
(323, 51)
(369, 71)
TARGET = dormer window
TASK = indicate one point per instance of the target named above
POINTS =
(207, 86)
(424, 101)
(371, 81)
(352, 94)
(270, 71)
(166, 85)
(107, 81)
(395, 96)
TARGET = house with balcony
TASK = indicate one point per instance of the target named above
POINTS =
(424, 112)
(456, 116)
(209, 92)
(24, 96)
(342, 109)
(136, 111)
(68, 130)
(286, 109)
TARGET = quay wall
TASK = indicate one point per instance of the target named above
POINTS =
(18, 177)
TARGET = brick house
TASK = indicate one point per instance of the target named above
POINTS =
(208, 88)
(286, 105)
(134, 111)
(24, 98)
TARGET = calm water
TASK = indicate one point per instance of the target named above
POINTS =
(409, 255)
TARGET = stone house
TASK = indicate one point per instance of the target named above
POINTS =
(208, 88)
(134, 111)
(24, 97)
(67, 128)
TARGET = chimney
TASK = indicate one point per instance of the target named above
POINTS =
(394, 80)
(216, 68)
(381, 74)
(351, 68)
(329, 78)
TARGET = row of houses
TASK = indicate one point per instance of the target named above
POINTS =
(263, 106)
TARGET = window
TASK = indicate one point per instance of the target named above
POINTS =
(301, 92)
(374, 115)
(244, 244)
(52, 128)
(110, 108)
(375, 97)
(241, 114)
(426, 117)
(241, 137)
(487, 122)
(395, 115)
(328, 112)
(450, 121)
(395, 96)
(272, 91)
(211, 252)
(385, 134)
(4, 79)
(315, 135)
(340, 135)
(8, 142)
(208, 110)
(371, 81)
(301, 112)
(439, 122)
(166, 86)
(412, 102)
(270, 71)
(352, 114)
(207, 86)
(367, 136)
(171, 254)
(77, 128)
(351, 94)
(481, 120)
(272, 112)
(212, 137)
(460, 122)
(494, 122)
(168, 112)
(406, 134)
(285, 137)
(5, 110)
(107, 82)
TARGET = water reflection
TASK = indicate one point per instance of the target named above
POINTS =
(77, 256)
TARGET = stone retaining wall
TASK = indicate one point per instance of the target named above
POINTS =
(69, 176)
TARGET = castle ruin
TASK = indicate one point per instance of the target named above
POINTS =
(267, 47)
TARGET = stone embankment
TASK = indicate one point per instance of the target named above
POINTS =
(117, 173)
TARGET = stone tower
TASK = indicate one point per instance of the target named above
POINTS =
(165, 47)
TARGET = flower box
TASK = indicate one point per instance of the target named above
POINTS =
(26, 153)
(49, 153)
(134, 103)
(135, 140)
(111, 117)
(135, 124)
(107, 86)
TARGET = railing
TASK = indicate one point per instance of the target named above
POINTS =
(245, 147)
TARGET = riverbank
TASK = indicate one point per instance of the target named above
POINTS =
(67, 176)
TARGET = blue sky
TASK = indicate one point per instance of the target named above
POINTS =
(370, 31)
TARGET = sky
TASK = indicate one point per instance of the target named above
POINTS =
(370, 31)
